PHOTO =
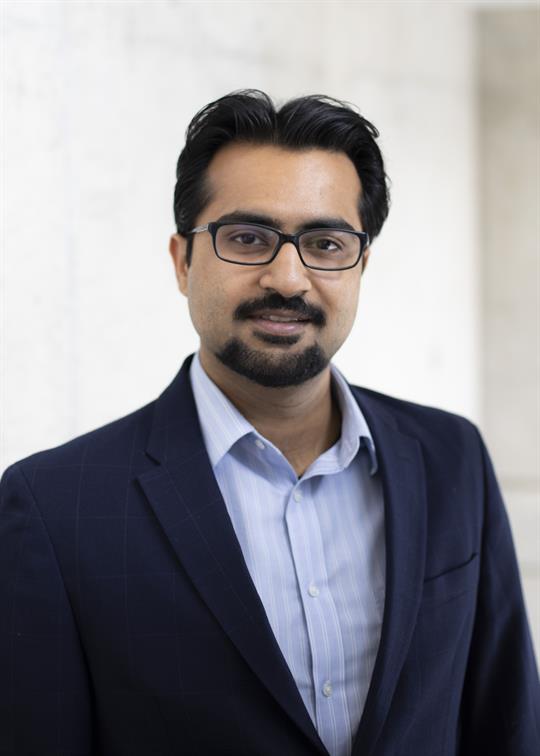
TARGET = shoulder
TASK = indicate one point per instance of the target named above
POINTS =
(116, 444)
(438, 431)
(411, 415)
(451, 462)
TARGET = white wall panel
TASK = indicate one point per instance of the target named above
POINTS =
(509, 146)
(99, 95)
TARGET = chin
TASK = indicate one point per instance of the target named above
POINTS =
(271, 369)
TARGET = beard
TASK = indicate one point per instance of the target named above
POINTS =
(282, 370)
(273, 372)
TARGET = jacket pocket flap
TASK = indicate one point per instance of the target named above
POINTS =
(452, 582)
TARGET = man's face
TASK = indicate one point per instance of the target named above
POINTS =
(234, 307)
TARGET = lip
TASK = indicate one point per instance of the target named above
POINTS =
(287, 328)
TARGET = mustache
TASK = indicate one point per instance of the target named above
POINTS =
(275, 301)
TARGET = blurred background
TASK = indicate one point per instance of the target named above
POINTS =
(96, 97)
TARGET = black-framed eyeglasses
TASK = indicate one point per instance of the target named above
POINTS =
(255, 244)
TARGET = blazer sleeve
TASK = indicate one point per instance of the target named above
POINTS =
(45, 701)
(501, 702)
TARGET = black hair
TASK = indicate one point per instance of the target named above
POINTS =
(250, 116)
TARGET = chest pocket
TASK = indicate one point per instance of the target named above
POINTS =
(452, 583)
(447, 608)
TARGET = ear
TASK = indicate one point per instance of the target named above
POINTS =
(365, 258)
(177, 249)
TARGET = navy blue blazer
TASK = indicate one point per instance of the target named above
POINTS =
(130, 625)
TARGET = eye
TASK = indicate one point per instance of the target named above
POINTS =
(247, 238)
(321, 243)
(326, 245)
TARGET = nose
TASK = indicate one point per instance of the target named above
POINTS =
(286, 273)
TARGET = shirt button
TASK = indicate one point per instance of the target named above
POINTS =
(327, 689)
(313, 590)
(259, 443)
(297, 496)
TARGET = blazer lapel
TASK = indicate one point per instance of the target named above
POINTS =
(186, 499)
(403, 479)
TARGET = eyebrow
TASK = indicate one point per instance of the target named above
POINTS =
(244, 216)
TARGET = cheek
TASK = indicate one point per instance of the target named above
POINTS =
(344, 306)
(352, 307)
(210, 304)
(200, 303)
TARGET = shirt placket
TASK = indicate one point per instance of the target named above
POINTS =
(329, 703)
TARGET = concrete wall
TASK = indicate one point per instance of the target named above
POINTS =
(509, 148)
(98, 95)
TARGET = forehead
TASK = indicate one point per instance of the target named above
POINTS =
(292, 185)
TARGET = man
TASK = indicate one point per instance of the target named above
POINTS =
(266, 560)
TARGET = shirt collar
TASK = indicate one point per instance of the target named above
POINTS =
(354, 428)
(223, 425)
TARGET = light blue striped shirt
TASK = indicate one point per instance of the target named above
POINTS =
(314, 547)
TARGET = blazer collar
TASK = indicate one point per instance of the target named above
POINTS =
(405, 507)
(187, 502)
(186, 499)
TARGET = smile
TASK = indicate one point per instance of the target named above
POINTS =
(282, 319)
(282, 323)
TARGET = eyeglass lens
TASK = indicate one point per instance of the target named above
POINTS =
(322, 248)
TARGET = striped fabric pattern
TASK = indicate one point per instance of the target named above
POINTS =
(314, 548)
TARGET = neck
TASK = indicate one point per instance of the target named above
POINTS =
(301, 421)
